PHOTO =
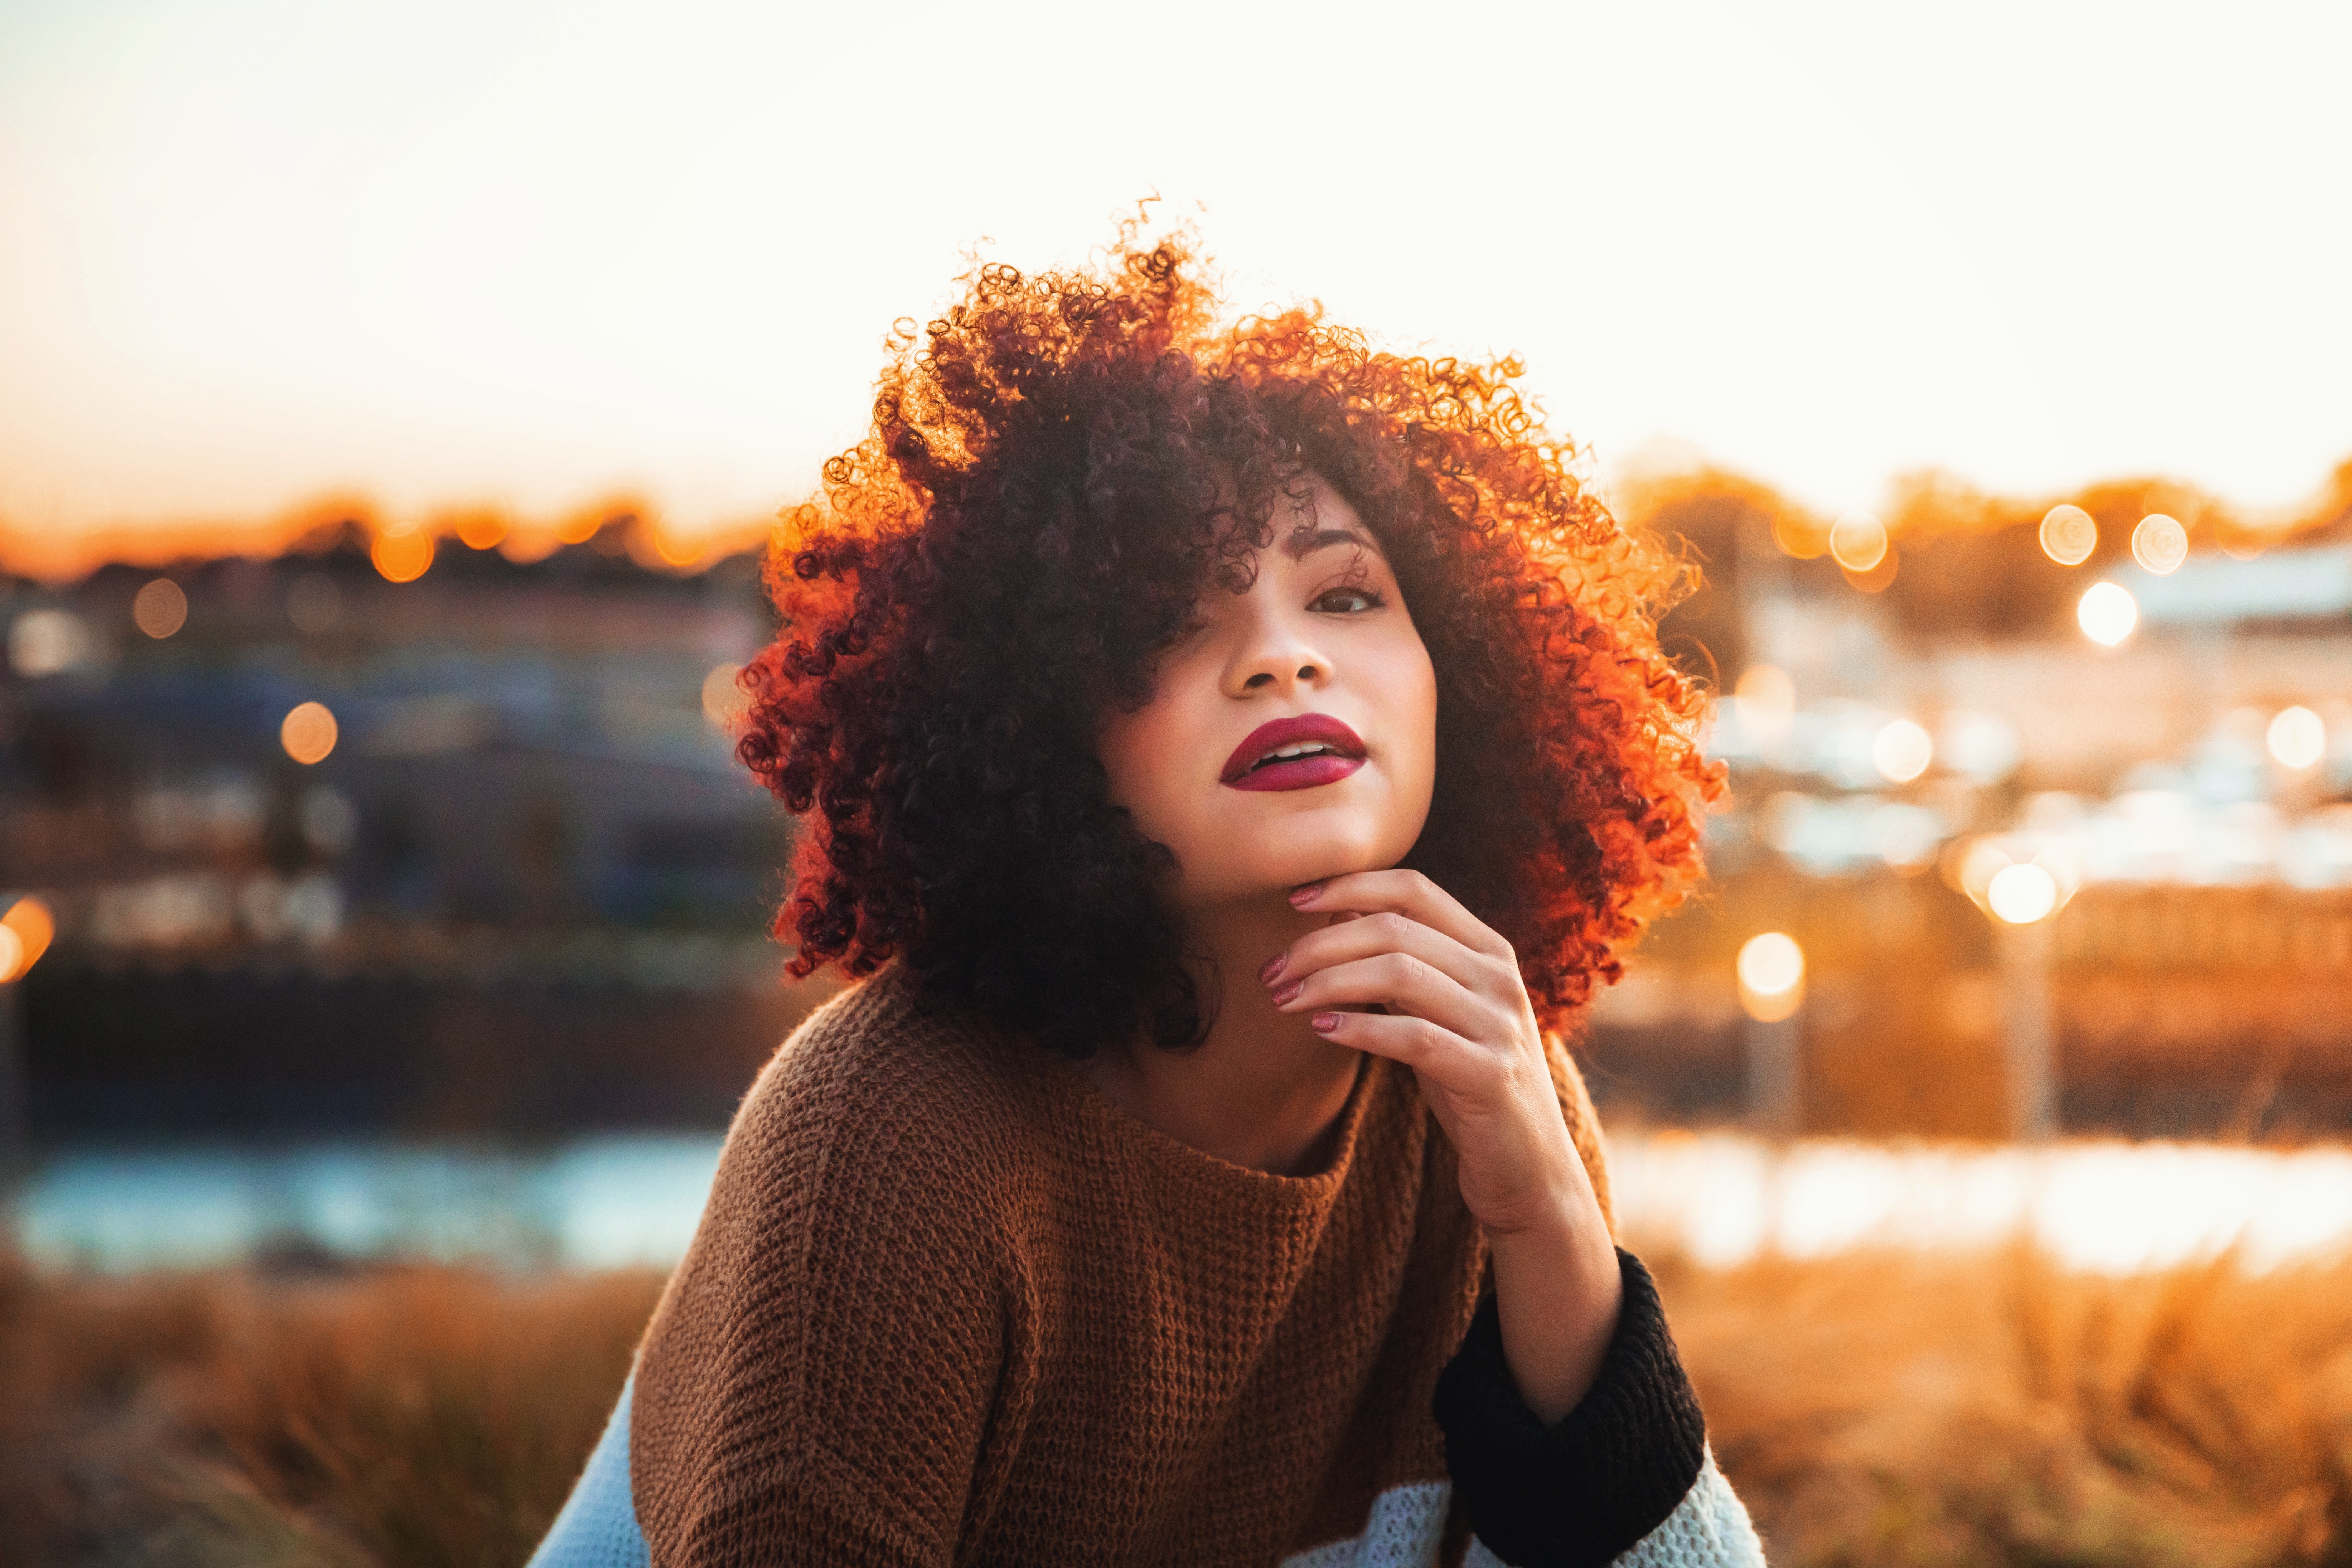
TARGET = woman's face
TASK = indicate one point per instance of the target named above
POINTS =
(1292, 734)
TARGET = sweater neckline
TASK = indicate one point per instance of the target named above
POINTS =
(1112, 1127)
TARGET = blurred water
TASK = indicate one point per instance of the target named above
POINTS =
(2108, 1206)
(594, 1202)
(609, 1200)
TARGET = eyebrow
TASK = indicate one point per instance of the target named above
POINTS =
(1303, 544)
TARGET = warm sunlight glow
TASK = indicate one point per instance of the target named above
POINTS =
(2106, 613)
(308, 734)
(2069, 535)
(1858, 541)
(1902, 752)
(1771, 976)
(2297, 738)
(159, 608)
(2022, 894)
(401, 557)
(2160, 543)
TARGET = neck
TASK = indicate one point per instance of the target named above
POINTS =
(1262, 1090)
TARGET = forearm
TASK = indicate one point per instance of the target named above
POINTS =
(1557, 1292)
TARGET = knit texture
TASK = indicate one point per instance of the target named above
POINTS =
(949, 1304)
(1578, 1492)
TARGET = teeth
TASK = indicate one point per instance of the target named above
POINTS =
(1298, 748)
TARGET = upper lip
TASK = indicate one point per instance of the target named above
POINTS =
(1277, 733)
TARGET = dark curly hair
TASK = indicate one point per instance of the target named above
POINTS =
(1058, 467)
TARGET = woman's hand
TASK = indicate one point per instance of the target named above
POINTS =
(1458, 1014)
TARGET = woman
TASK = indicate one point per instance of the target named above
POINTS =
(1228, 756)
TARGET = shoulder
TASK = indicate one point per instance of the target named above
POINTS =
(873, 1089)
(832, 1338)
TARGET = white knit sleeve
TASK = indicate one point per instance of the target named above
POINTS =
(1708, 1529)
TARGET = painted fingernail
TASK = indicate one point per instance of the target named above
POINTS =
(1287, 993)
(1306, 895)
(1323, 1022)
(1273, 967)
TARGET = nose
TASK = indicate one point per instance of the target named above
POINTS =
(1275, 654)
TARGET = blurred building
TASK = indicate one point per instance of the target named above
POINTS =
(243, 785)
(2185, 778)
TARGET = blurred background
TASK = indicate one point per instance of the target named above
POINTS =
(392, 411)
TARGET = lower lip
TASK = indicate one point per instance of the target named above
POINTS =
(1304, 772)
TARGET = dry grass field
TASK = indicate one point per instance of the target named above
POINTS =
(1883, 1408)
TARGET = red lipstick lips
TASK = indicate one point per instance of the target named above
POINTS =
(1331, 752)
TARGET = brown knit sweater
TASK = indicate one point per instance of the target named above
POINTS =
(949, 1304)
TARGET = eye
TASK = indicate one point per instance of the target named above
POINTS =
(1346, 601)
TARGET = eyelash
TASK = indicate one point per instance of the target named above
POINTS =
(1371, 601)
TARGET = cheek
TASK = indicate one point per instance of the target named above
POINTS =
(1137, 752)
(1412, 680)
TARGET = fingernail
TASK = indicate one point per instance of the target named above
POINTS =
(1288, 993)
(1323, 1022)
(1306, 895)
(1273, 967)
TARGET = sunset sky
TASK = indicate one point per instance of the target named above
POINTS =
(524, 253)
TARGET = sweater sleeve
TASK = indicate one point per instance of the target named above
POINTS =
(1623, 1477)
(822, 1374)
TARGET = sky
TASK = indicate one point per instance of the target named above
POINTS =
(526, 254)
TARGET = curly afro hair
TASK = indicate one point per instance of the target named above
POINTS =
(1057, 469)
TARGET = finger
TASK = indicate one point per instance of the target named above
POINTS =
(1438, 1054)
(1407, 893)
(1403, 983)
(1362, 936)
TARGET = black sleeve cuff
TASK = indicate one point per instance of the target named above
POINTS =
(1584, 1489)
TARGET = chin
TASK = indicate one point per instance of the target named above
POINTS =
(1314, 861)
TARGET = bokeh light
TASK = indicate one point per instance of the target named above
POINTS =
(308, 734)
(2022, 894)
(482, 529)
(1801, 535)
(2068, 534)
(1902, 751)
(1879, 578)
(2106, 613)
(1772, 968)
(724, 703)
(48, 642)
(25, 933)
(2297, 738)
(1765, 691)
(2160, 543)
(1858, 541)
(401, 557)
(159, 608)
(676, 548)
